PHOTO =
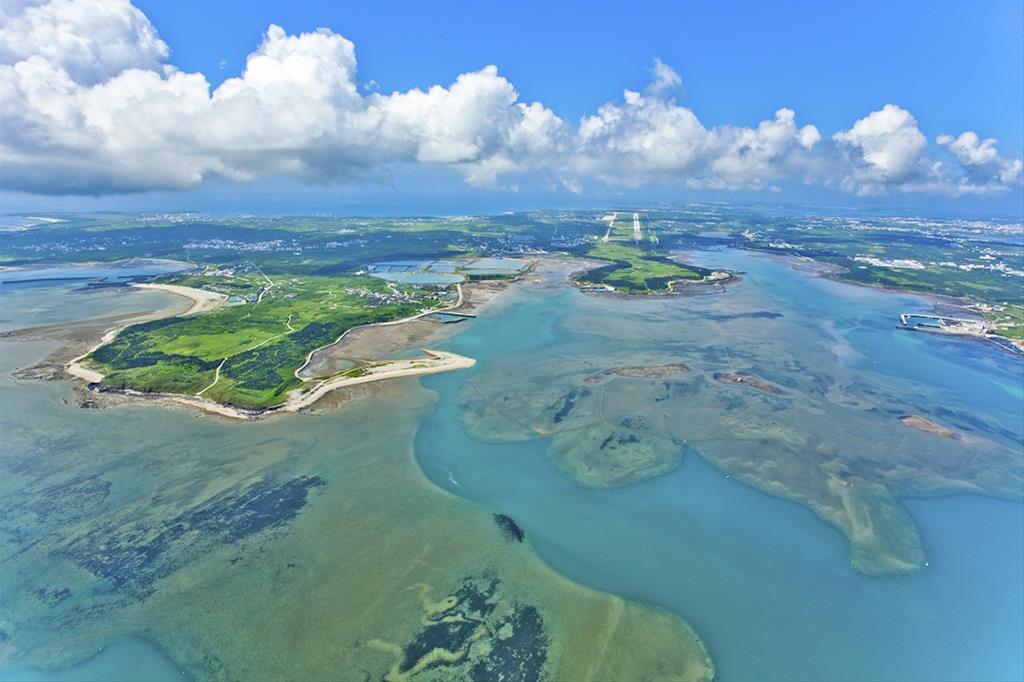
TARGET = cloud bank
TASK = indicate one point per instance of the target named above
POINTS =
(90, 104)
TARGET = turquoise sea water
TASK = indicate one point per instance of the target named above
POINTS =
(113, 271)
(126, 660)
(57, 301)
(764, 581)
(33, 304)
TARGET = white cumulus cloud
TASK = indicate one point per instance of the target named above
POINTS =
(88, 39)
(651, 138)
(90, 103)
(665, 78)
(885, 152)
(983, 169)
(295, 110)
(884, 148)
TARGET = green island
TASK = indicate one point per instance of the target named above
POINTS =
(634, 268)
(311, 276)
(245, 353)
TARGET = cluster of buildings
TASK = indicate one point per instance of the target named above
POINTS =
(501, 246)
(271, 245)
(393, 296)
(910, 264)
(905, 263)
(994, 267)
(752, 236)
(567, 243)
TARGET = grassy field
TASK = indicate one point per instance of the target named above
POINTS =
(977, 285)
(634, 269)
(257, 346)
(1008, 320)
(622, 226)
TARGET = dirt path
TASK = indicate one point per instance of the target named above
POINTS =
(216, 378)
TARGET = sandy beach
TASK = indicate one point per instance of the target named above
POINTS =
(202, 301)
(436, 362)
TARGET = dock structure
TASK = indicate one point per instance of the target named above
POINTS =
(957, 326)
(945, 324)
(449, 317)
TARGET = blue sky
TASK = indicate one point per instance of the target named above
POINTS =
(951, 67)
(957, 66)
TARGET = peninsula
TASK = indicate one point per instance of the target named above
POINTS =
(242, 347)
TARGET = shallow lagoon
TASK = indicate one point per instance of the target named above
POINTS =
(766, 583)
(125, 660)
(25, 304)
(294, 548)
(112, 271)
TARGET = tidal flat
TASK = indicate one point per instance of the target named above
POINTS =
(569, 525)
(795, 385)
(309, 547)
(769, 586)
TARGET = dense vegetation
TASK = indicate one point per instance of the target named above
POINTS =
(976, 285)
(260, 344)
(634, 269)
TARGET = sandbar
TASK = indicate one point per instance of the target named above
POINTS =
(916, 421)
(437, 361)
(202, 300)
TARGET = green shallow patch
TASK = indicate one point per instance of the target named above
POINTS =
(298, 548)
(617, 407)
(605, 456)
